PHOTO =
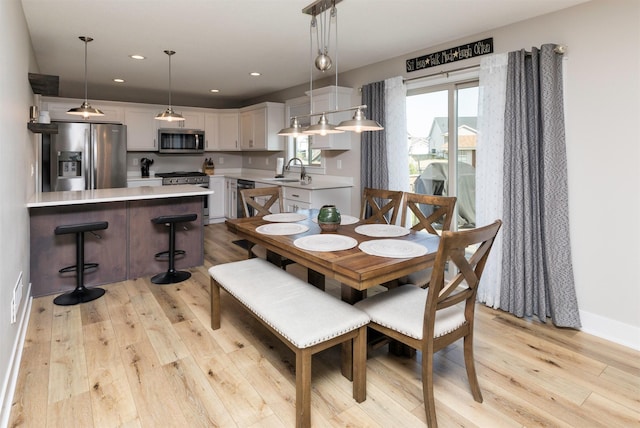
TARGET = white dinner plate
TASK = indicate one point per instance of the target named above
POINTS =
(394, 248)
(281, 228)
(284, 217)
(344, 219)
(325, 242)
(382, 230)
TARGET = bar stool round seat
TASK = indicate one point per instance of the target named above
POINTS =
(80, 294)
(172, 276)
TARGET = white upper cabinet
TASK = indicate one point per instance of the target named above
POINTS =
(259, 126)
(211, 128)
(326, 99)
(142, 133)
(228, 131)
(59, 107)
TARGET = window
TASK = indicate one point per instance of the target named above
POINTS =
(441, 126)
(304, 150)
(301, 147)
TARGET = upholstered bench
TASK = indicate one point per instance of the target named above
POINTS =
(305, 318)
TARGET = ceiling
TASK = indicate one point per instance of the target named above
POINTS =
(219, 42)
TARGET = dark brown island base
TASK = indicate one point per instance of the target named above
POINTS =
(126, 249)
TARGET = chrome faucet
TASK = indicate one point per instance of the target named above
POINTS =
(303, 173)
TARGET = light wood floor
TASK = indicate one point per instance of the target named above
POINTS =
(144, 355)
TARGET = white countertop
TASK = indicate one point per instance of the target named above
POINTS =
(77, 197)
(318, 181)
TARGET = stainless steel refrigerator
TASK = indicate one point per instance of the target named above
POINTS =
(85, 156)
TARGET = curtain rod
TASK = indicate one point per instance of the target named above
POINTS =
(446, 73)
(559, 49)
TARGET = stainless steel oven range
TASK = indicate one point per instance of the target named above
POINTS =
(188, 177)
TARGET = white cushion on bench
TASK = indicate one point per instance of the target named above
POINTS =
(300, 312)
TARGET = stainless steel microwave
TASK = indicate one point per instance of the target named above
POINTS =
(179, 140)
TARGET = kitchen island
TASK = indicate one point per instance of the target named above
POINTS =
(127, 248)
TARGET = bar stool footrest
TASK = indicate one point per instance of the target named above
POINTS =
(165, 254)
(73, 268)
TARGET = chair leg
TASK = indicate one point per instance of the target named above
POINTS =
(215, 305)
(470, 365)
(303, 388)
(427, 389)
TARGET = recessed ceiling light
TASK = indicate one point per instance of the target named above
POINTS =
(117, 80)
(215, 91)
(136, 56)
(255, 73)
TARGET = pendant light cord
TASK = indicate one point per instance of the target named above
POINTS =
(85, 71)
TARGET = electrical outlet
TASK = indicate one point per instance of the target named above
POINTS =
(135, 161)
(221, 160)
(249, 161)
(266, 161)
(339, 164)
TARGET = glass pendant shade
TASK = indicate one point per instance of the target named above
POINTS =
(169, 115)
(359, 123)
(85, 110)
(295, 130)
(323, 127)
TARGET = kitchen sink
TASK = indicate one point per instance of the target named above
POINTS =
(282, 180)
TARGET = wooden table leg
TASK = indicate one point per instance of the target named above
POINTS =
(315, 278)
(351, 296)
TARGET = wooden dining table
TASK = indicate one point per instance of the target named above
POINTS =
(356, 270)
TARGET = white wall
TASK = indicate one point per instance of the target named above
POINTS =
(603, 147)
(16, 184)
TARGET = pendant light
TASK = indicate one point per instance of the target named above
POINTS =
(169, 115)
(85, 110)
(295, 130)
(359, 123)
(323, 12)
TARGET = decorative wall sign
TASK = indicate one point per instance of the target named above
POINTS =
(470, 50)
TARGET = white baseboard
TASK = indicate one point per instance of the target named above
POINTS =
(612, 330)
(9, 383)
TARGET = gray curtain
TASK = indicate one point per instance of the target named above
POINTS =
(537, 273)
(374, 171)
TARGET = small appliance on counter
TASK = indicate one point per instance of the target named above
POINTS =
(144, 166)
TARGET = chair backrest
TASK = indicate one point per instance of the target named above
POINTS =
(434, 213)
(380, 206)
(467, 251)
(261, 200)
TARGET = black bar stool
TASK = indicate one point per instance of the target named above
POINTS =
(172, 276)
(81, 294)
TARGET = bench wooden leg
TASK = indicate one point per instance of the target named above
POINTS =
(303, 388)
(215, 305)
(360, 365)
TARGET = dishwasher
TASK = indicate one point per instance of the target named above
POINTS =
(244, 184)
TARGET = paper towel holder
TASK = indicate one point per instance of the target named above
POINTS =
(279, 168)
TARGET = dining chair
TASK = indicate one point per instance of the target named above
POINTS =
(430, 213)
(380, 206)
(260, 202)
(430, 319)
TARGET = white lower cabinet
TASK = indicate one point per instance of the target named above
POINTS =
(217, 201)
(231, 195)
(297, 198)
